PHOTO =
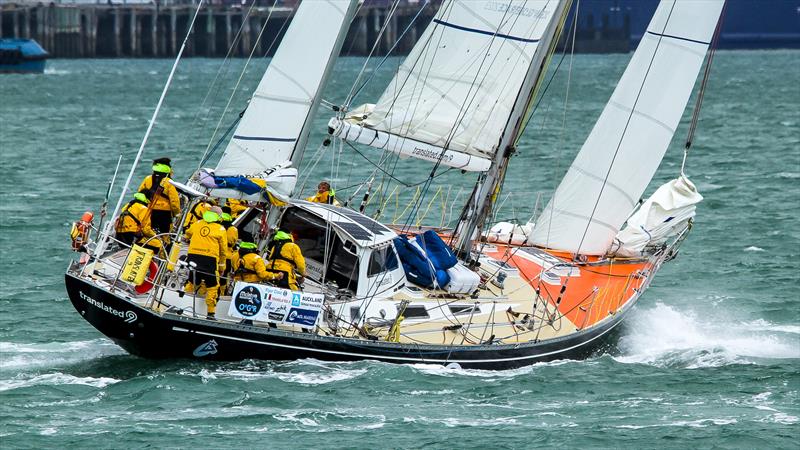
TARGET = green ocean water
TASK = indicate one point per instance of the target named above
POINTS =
(708, 358)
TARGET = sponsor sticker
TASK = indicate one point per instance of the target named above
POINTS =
(248, 301)
(300, 316)
(264, 303)
(209, 348)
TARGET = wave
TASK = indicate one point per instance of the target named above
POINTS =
(454, 370)
(305, 372)
(665, 336)
(23, 356)
(54, 379)
(51, 71)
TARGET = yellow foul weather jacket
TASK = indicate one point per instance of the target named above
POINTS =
(237, 206)
(324, 197)
(251, 269)
(289, 259)
(135, 218)
(167, 200)
(195, 214)
(208, 239)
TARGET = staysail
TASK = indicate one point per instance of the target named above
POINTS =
(275, 126)
(626, 145)
(453, 95)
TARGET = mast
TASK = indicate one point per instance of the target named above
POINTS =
(479, 206)
(275, 126)
(103, 239)
(300, 147)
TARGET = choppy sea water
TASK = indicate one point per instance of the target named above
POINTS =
(709, 357)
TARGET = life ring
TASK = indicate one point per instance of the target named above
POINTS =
(147, 284)
(80, 231)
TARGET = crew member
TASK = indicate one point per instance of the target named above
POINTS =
(324, 194)
(232, 234)
(196, 213)
(133, 224)
(250, 266)
(208, 249)
(166, 202)
(285, 257)
(237, 206)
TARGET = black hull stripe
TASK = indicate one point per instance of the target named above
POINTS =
(420, 359)
(487, 33)
(677, 37)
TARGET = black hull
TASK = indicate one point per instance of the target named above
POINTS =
(144, 333)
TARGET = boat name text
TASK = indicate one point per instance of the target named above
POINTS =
(128, 316)
(504, 7)
(431, 154)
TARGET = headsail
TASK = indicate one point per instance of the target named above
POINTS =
(626, 145)
(277, 121)
(457, 88)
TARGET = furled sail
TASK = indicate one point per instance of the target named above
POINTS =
(626, 145)
(456, 89)
(275, 126)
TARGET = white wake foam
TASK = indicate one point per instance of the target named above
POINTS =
(663, 335)
(16, 356)
(54, 379)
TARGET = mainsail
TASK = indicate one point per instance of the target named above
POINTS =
(626, 145)
(452, 97)
(275, 126)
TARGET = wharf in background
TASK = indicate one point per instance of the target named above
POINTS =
(142, 28)
(76, 30)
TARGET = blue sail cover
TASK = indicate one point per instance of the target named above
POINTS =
(239, 183)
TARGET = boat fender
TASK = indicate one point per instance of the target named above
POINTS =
(80, 231)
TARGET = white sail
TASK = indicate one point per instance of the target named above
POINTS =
(274, 124)
(457, 87)
(626, 145)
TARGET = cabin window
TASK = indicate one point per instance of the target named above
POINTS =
(414, 312)
(309, 232)
(460, 310)
(381, 261)
(312, 234)
(355, 313)
(343, 266)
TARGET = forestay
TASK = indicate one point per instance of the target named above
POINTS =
(623, 151)
(457, 87)
(276, 122)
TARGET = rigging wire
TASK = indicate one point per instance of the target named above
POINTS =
(624, 130)
(101, 245)
(563, 128)
(386, 56)
(224, 65)
(234, 44)
(206, 155)
(701, 94)
(392, 10)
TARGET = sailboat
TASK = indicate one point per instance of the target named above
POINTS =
(478, 295)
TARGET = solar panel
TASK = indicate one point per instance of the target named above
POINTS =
(366, 222)
(354, 230)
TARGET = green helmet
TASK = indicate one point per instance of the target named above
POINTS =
(161, 168)
(247, 245)
(210, 216)
(282, 236)
(141, 197)
(226, 217)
